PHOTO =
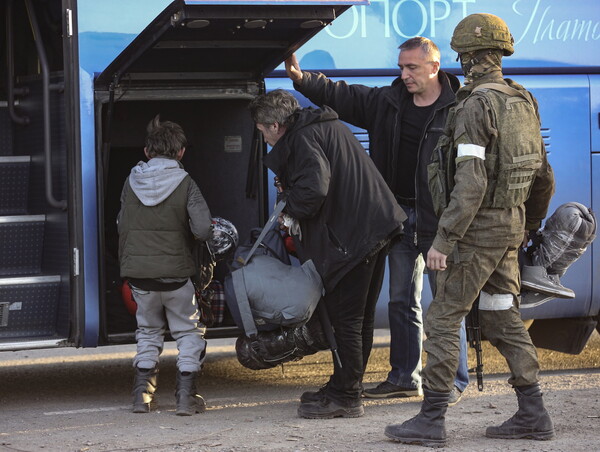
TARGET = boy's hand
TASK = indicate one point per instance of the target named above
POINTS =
(292, 67)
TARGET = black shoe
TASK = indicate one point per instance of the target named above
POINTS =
(188, 401)
(144, 386)
(328, 409)
(313, 396)
(536, 279)
(388, 390)
(455, 396)
(428, 428)
(531, 421)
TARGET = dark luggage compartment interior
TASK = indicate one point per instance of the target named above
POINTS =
(221, 137)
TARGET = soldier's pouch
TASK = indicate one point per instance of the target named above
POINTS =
(460, 257)
(452, 283)
(437, 174)
(515, 179)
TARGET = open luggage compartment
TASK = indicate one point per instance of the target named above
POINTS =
(198, 65)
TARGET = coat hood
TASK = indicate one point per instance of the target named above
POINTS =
(155, 180)
(312, 115)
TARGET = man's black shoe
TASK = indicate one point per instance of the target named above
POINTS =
(313, 396)
(328, 409)
(388, 390)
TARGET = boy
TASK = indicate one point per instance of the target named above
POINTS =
(162, 211)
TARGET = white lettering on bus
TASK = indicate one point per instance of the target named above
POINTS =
(426, 14)
(423, 18)
(391, 19)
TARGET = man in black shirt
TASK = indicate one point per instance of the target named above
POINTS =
(404, 122)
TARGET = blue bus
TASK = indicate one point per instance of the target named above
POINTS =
(82, 78)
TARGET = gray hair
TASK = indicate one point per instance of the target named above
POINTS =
(276, 106)
(428, 47)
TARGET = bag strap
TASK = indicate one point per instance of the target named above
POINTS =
(239, 288)
(272, 219)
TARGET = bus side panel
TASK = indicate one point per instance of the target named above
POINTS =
(563, 105)
(564, 110)
(595, 248)
(595, 133)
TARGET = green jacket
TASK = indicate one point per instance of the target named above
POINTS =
(156, 241)
(489, 203)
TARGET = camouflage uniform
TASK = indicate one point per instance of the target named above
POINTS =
(490, 206)
(490, 181)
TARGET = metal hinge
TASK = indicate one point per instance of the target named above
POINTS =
(69, 19)
(75, 261)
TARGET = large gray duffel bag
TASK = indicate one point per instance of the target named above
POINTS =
(266, 291)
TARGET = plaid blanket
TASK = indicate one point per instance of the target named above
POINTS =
(214, 295)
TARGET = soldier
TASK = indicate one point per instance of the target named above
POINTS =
(491, 183)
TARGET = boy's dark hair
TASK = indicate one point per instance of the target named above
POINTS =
(164, 139)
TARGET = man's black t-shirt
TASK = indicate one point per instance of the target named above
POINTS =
(413, 123)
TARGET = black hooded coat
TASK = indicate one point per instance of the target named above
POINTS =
(344, 207)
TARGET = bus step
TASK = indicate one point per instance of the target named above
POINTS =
(21, 244)
(29, 306)
(14, 184)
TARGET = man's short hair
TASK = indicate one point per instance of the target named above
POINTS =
(428, 47)
(275, 106)
(164, 139)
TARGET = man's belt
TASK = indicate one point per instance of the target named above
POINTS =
(410, 202)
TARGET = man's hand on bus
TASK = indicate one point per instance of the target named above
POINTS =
(292, 67)
(436, 260)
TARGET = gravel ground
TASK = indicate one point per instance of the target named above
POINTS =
(78, 400)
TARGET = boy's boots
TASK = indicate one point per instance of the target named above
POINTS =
(188, 402)
(428, 428)
(531, 421)
(144, 385)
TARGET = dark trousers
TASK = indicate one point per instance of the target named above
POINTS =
(351, 308)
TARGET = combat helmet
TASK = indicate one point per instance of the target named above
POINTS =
(482, 31)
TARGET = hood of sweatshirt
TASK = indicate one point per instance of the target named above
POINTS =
(155, 180)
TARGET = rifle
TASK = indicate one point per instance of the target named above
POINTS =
(474, 339)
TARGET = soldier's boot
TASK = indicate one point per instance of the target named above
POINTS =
(531, 421)
(188, 401)
(144, 386)
(428, 428)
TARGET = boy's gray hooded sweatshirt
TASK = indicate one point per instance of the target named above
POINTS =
(155, 224)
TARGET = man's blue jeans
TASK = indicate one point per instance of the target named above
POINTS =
(407, 264)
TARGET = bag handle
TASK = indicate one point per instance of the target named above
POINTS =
(237, 277)
(239, 287)
(272, 219)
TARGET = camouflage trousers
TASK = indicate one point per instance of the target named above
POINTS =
(494, 272)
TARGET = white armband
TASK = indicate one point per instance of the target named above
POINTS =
(471, 150)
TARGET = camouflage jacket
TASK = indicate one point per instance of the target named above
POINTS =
(480, 210)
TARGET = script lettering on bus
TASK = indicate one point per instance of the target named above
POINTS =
(542, 26)
(534, 20)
